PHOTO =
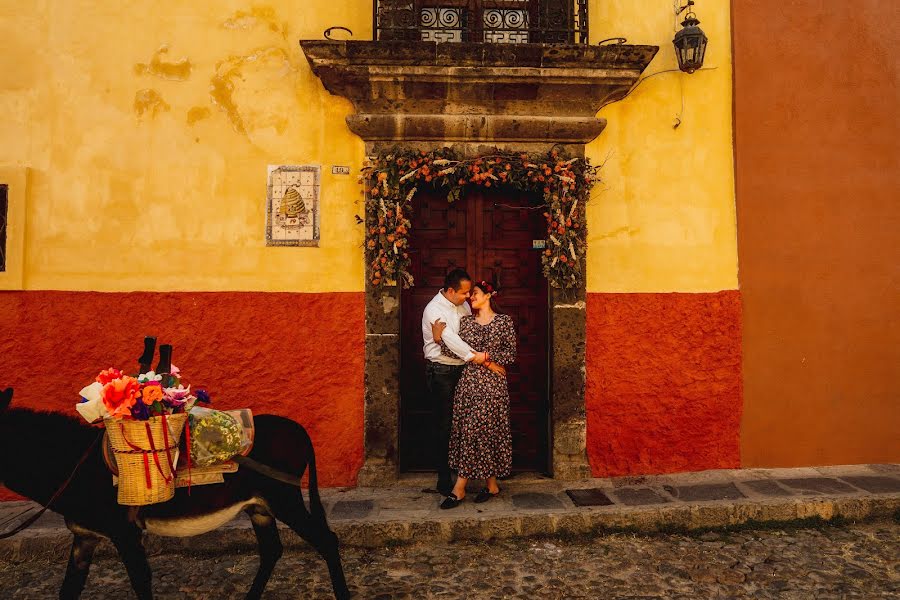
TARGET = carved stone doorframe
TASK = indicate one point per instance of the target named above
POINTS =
(475, 98)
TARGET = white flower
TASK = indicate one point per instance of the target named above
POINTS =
(149, 376)
(408, 175)
(446, 171)
(409, 197)
(440, 161)
(572, 211)
(92, 409)
(572, 250)
(92, 392)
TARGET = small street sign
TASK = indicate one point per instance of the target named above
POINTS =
(336, 170)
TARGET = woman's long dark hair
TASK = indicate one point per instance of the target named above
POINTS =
(489, 288)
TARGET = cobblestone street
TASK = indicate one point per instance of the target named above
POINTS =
(829, 562)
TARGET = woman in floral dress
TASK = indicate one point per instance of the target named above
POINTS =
(480, 438)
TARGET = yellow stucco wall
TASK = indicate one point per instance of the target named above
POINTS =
(663, 218)
(139, 180)
(148, 173)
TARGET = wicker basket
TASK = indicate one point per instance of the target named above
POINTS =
(146, 452)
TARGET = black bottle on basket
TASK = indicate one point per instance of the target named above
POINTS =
(165, 360)
(146, 359)
(164, 366)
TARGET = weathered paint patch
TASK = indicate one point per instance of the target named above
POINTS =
(179, 70)
(664, 391)
(149, 102)
(198, 113)
(265, 16)
(264, 79)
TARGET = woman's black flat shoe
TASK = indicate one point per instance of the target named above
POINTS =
(484, 495)
(451, 501)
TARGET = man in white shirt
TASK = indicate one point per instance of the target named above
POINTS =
(442, 372)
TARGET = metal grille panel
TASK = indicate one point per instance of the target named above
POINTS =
(491, 21)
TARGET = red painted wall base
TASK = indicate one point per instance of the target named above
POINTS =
(664, 391)
(296, 355)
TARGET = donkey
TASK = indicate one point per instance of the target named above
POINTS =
(39, 451)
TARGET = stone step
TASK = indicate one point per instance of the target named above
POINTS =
(532, 506)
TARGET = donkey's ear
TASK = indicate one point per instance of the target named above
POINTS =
(5, 398)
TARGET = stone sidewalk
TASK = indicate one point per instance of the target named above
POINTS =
(532, 506)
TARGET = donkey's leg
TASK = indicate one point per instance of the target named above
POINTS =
(288, 508)
(80, 557)
(270, 548)
(131, 551)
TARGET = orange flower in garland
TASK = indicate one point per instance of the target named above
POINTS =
(119, 395)
(393, 179)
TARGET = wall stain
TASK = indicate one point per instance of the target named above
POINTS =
(179, 70)
(150, 102)
(222, 84)
(617, 232)
(221, 90)
(198, 113)
(258, 15)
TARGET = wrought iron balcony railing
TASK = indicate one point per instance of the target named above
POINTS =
(492, 21)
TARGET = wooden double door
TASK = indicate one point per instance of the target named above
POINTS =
(490, 234)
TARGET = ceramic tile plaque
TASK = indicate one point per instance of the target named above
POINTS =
(292, 204)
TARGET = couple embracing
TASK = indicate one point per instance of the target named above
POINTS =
(466, 356)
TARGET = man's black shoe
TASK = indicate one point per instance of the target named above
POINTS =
(451, 501)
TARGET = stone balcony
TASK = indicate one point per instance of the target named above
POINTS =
(493, 93)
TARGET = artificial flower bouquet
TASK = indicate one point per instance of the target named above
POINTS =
(118, 396)
(144, 416)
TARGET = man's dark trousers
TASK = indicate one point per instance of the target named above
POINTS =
(441, 380)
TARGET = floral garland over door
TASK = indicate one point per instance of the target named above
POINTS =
(393, 177)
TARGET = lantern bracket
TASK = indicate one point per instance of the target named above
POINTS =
(687, 6)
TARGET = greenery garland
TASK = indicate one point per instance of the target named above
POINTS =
(392, 179)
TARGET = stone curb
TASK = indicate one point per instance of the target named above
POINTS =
(55, 542)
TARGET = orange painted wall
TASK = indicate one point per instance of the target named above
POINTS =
(663, 382)
(297, 355)
(818, 174)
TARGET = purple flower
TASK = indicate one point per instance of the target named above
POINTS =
(140, 411)
(203, 396)
(174, 402)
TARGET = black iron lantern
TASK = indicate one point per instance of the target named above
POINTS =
(690, 42)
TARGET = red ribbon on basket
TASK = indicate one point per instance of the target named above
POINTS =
(168, 445)
(187, 446)
(143, 453)
(156, 454)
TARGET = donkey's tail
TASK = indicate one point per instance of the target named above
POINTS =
(315, 502)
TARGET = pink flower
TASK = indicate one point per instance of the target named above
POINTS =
(176, 397)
